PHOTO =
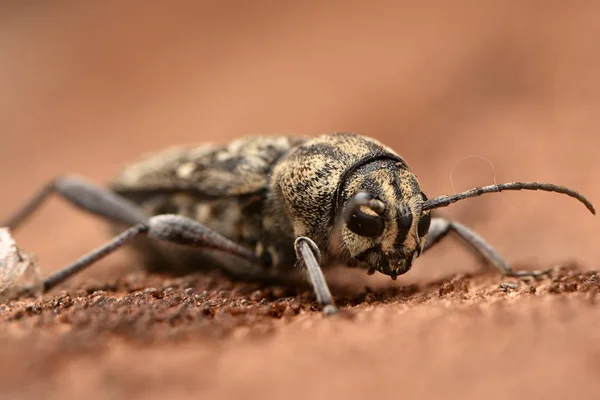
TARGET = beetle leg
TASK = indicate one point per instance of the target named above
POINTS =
(175, 229)
(86, 196)
(309, 255)
(440, 227)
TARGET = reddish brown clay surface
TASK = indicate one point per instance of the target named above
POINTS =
(453, 87)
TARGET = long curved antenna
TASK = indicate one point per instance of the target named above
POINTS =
(444, 201)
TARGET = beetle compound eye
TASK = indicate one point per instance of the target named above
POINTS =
(364, 224)
(424, 224)
(425, 221)
(362, 215)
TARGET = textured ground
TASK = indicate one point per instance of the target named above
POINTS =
(203, 335)
(455, 87)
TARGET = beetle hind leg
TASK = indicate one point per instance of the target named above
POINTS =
(84, 195)
(440, 227)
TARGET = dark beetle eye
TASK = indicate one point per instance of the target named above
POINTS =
(424, 223)
(365, 224)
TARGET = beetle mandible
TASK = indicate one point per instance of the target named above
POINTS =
(270, 207)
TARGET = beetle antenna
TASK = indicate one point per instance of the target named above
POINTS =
(444, 201)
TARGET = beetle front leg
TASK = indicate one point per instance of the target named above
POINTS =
(309, 256)
(440, 227)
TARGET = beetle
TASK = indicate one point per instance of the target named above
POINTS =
(272, 207)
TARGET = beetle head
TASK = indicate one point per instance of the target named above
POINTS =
(386, 217)
(382, 223)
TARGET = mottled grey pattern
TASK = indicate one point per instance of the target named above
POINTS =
(257, 207)
(264, 192)
(238, 168)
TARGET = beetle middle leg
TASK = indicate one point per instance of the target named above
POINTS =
(440, 227)
(175, 229)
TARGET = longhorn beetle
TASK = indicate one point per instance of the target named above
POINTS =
(258, 206)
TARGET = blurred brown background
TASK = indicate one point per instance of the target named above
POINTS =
(88, 86)
(452, 86)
